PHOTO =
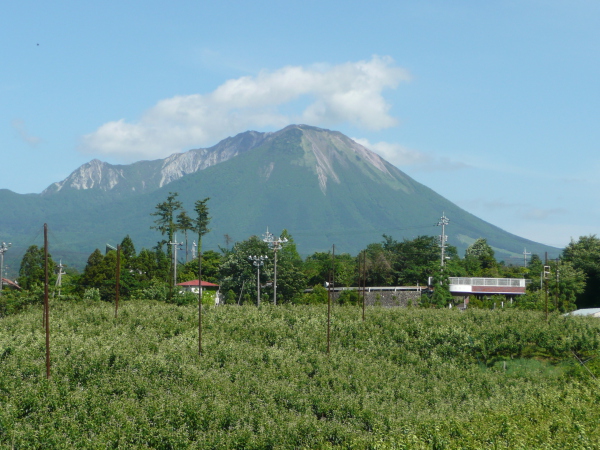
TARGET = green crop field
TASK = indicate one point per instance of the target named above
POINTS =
(404, 378)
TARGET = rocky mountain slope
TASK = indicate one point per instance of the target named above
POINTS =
(146, 176)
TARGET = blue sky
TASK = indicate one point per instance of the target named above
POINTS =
(494, 105)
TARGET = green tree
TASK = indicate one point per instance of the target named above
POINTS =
(185, 224)
(211, 262)
(379, 265)
(481, 251)
(291, 280)
(100, 273)
(584, 254)
(165, 221)
(319, 266)
(32, 272)
(415, 260)
(238, 274)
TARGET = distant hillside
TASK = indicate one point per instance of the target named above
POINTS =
(318, 184)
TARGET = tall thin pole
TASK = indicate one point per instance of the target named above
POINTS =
(328, 311)
(275, 279)
(546, 283)
(200, 299)
(276, 244)
(258, 261)
(46, 301)
(443, 238)
(364, 280)
(118, 280)
(3, 248)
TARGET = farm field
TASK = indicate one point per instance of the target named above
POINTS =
(405, 378)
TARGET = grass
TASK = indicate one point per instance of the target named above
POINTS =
(404, 378)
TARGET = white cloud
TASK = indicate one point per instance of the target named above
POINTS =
(401, 156)
(19, 126)
(346, 93)
(395, 153)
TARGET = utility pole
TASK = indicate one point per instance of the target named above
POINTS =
(174, 252)
(546, 276)
(118, 280)
(557, 290)
(443, 238)
(525, 253)
(276, 245)
(46, 302)
(3, 248)
(258, 261)
(61, 266)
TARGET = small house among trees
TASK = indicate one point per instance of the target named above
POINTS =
(192, 287)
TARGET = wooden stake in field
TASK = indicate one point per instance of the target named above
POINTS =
(201, 227)
(328, 310)
(46, 302)
(118, 279)
(329, 287)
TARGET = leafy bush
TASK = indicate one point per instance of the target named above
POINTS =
(92, 294)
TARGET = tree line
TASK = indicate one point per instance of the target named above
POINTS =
(569, 282)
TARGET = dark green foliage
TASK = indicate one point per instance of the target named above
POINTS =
(584, 254)
(32, 269)
(349, 297)
(404, 378)
(165, 221)
(413, 261)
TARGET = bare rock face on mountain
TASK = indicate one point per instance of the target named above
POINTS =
(146, 176)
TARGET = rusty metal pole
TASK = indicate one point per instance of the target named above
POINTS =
(118, 280)
(328, 311)
(199, 297)
(46, 301)
(546, 285)
(364, 280)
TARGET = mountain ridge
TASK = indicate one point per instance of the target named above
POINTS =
(320, 185)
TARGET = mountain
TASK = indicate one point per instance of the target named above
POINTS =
(318, 184)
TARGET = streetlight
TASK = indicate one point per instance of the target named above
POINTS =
(258, 261)
(3, 249)
(276, 244)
